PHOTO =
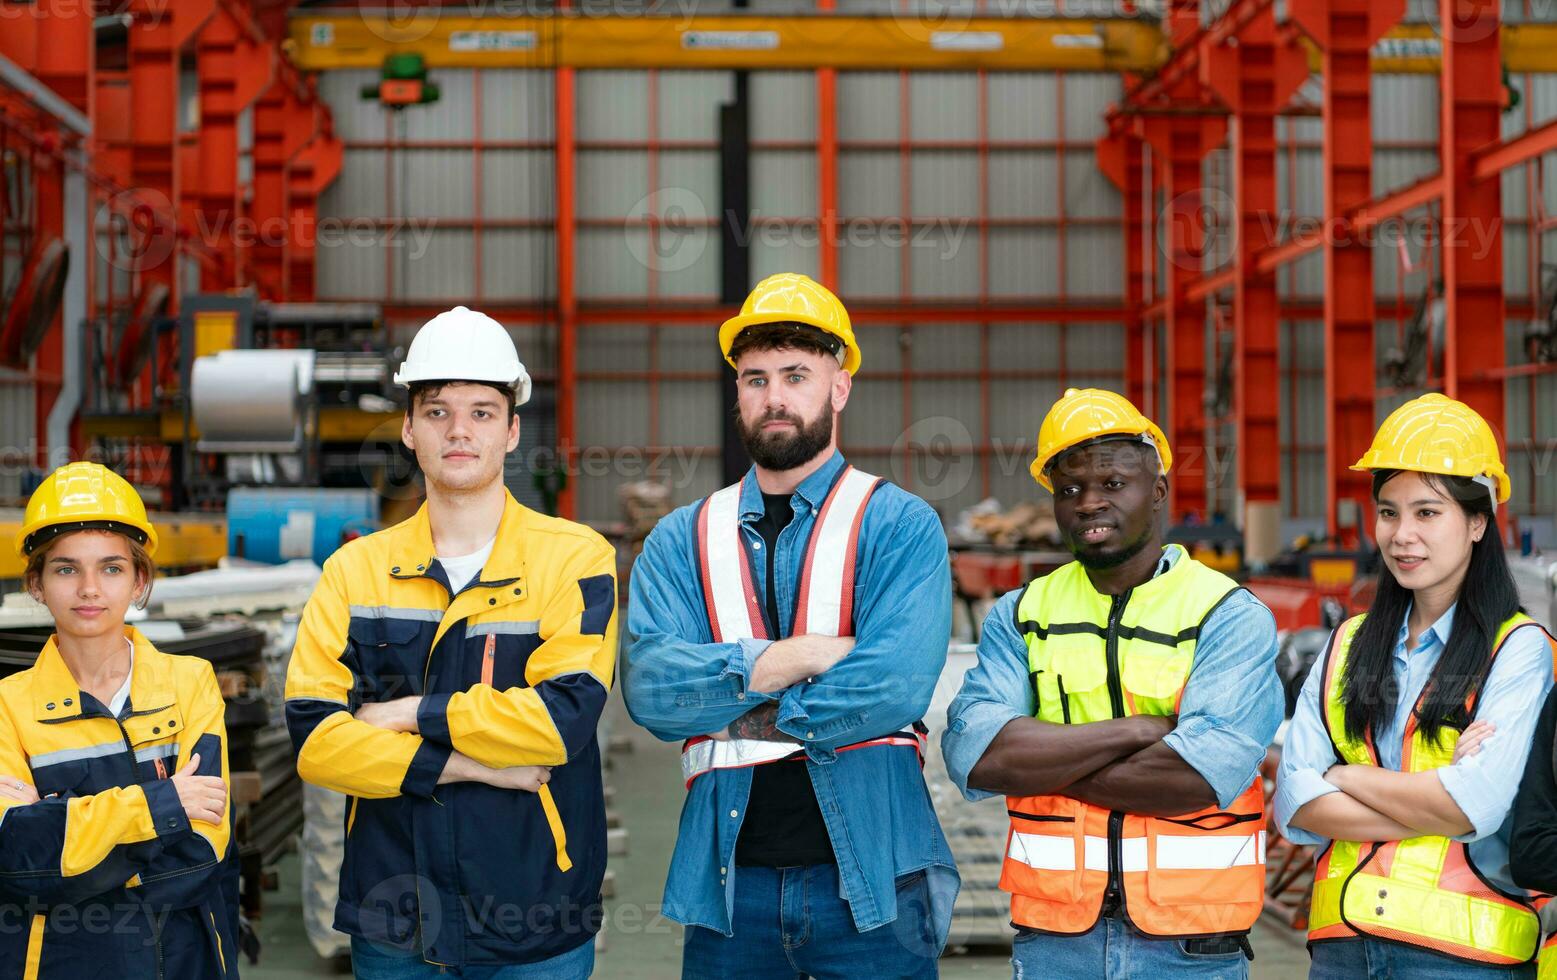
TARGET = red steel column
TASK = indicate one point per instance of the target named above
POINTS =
(1345, 31)
(1470, 106)
(1255, 79)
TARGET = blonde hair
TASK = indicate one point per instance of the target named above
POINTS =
(145, 568)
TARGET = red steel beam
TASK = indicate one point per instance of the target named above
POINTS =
(1489, 162)
(1470, 111)
(1345, 31)
(1255, 78)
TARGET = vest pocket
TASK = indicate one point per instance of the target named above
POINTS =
(1046, 850)
(1148, 674)
(1216, 857)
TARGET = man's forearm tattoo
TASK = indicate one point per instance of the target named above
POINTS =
(760, 723)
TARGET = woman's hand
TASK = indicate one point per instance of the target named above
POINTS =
(15, 789)
(1472, 738)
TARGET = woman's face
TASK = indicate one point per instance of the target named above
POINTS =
(88, 582)
(1424, 536)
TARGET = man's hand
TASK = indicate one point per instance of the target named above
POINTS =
(461, 768)
(203, 797)
(759, 723)
(398, 715)
(788, 662)
(15, 789)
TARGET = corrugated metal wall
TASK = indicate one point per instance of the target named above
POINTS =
(952, 188)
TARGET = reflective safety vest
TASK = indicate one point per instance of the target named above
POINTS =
(1425, 891)
(1094, 657)
(825, 605)
(1546, 963)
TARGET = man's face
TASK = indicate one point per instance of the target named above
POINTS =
(786, 400)
(1107, 496)
(460, 436)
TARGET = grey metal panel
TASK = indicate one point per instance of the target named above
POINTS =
(1034, 346)
(517, 104)
(613, 347)
(868, 105)
(943, 105)
(943, 347)
(607, 265)
(1393, 169)
(518, 184)
(1023, 184)
(434, 183)
(611, 182)
(944, 183)
(874, 417)
(869, 183)
(518, 263)
(783, 106)
(1092, 262)
(355, 273)
(443, 271)
(944, 261)
(355, 119)
(1098, 347)
(1516, 259)
(613, 413)
(870, 268)
(1022, 262)
(1088, 194)
(612, 105)
(1307, 189)
(1306, 276)
(245, 145)
(881, 344)
(1087, 98)
(690, 413)
(452, 117)
(1405, 107)
(689, 103)
(694, 174)
(784, 183)
(359, 189)
(1022, 106)
(783, 252)
(686, 263)
(1016, 409)
(18, 426)
(1514, 183)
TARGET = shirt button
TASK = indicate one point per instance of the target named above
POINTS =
(68, 702)
(395, 570)
(740, 697)
(1379, 910)
(724, 870)
(810, 734)
(491, 602)
(733, 814)
(155, 730)
(756, 546)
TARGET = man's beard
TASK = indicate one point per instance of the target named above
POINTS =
(1113, 559)
(785, 451)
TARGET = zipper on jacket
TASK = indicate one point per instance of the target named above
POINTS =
(1115, 895)
(1064, 698)
(156, 926)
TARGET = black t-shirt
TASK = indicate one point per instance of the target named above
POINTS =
(783, 826)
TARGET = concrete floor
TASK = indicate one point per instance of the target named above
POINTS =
(640, 944)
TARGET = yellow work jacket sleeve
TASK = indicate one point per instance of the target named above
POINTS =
(67, 849)
(334, 749)
(569, 677)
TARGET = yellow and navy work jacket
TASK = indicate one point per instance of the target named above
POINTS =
(106, 876)
(514, 670)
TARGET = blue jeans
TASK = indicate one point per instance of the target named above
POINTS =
(1370, 959)
(791, 922)
(1115, 951)
(372, 961)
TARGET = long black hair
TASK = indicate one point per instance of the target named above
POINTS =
(1488, 596)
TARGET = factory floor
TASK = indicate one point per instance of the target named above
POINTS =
(640, 944)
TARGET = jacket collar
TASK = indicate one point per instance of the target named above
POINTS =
(813, 489)
(56, 693)
(411, 550)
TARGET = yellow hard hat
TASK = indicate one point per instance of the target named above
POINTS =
(790, 297)
(80, 497)
(1083, 414)
(1436, 434)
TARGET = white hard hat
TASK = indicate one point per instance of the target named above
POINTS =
(463, 345)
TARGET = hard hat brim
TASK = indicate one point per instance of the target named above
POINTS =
(732, 328)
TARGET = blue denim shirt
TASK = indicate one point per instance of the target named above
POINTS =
(1482, 785)
(1229, 713)
(678, 683)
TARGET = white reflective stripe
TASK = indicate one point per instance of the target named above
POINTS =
(700, 757)
(724, 556)
(1209, 853)
(1043, 852)
(824, 598)
(1132, 854)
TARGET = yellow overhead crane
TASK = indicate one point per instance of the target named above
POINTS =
(908, 41)
(184, 542)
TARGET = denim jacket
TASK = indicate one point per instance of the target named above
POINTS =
(678, 683)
